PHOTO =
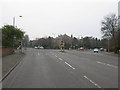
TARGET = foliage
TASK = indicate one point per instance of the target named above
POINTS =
(10, 35)
(70, 42)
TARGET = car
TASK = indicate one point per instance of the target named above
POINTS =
(36, 47)
(96, 50)
(41, 47)
(81, 48)
(101, 49)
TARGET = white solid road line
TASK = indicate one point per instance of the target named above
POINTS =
(92, 82)
(107, 64)
(69, 65)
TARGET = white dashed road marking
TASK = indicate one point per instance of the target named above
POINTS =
(60, 59)
(55, 56)
(92, 82)
(107, 64)
(69, 65)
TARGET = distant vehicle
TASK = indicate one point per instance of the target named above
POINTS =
(41, 47)
(36, 47)
(81, 48)
(101, 49)
(96, 50)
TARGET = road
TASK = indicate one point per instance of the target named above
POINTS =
(72, 69)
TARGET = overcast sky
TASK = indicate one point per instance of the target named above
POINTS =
(42, 18)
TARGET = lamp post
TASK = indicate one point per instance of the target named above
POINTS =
(14, 20)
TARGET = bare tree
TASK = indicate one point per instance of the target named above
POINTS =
(109, 29)
(109, 26)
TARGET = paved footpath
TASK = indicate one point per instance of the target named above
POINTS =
(9, 61)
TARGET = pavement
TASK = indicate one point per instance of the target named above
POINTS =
(55, 69)
(9, 62)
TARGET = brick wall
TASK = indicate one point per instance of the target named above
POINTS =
(6, 51)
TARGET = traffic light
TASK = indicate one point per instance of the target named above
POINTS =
(61, 43)
(19, 43)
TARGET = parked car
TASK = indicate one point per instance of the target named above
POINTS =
(36, 47)
(96, 50)
(41, 47)
(101, 49)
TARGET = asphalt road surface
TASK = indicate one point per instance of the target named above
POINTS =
(72, 69)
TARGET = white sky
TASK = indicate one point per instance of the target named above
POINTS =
(42, 18)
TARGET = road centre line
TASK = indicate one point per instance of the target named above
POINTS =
(61, 59)
(107, 64)
(69, 65)
(56, 56)
(92, 81)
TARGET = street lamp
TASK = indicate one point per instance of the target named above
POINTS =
(14, 20)
(14, 26)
